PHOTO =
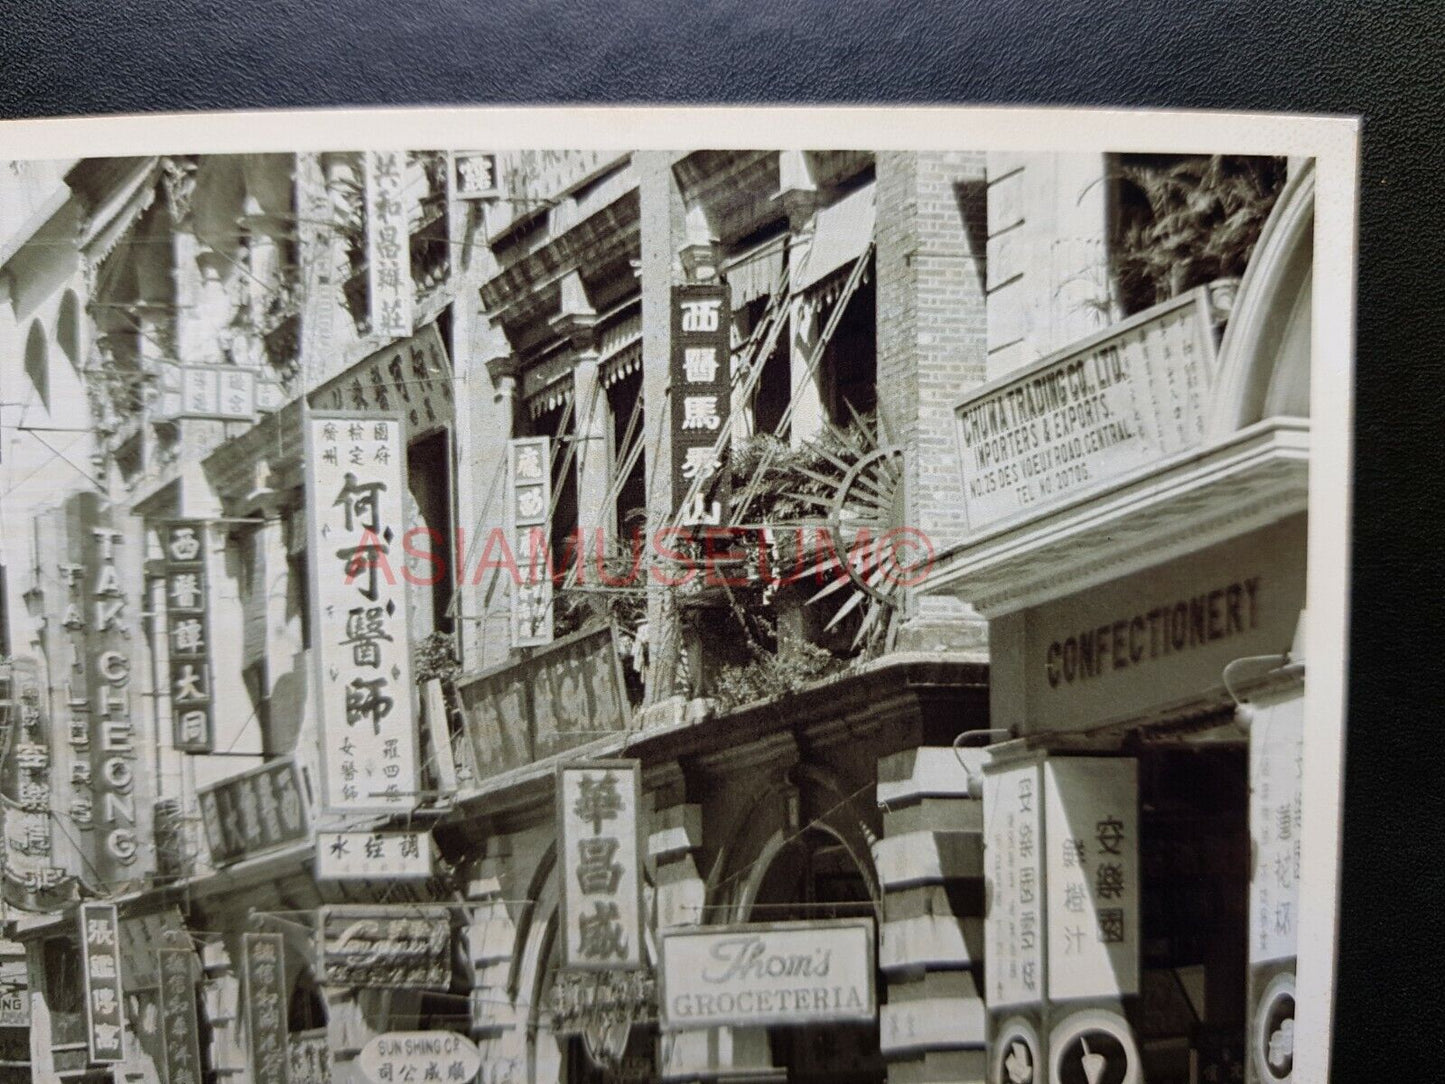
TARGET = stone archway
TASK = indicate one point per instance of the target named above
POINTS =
(1264, 357)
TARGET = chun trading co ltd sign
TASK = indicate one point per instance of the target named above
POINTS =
(784, 973)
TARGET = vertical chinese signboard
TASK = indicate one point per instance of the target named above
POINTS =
(599, 844)
(263, 970)
(1091, 805)
(701, 381)
(178, 1023)
(31, 872)
(1014, 922)
(1091, 832)
(530, 476)
(100, 961)
(388, 245)
(354, 491)
(1276, 762)
(188, 618)
(474, 175)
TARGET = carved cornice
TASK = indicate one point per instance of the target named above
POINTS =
(1186, 504)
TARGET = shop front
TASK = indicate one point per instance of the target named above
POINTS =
(1141, 519)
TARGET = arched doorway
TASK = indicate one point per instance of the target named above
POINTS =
(812, 876)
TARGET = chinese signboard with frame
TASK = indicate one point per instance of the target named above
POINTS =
(701, 382)
(189, 628)
(104, 1000)
(599, 847)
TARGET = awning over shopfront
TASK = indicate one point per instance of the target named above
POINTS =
(842, 232)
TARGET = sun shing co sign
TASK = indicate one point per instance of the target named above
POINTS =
(770, 974)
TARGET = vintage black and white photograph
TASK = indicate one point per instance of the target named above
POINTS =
(600, 596)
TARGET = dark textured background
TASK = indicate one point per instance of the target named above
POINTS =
(1382, 59)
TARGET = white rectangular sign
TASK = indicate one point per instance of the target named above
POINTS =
(1117, 402)
(1091, 824)
(1276, 759)
(388, 245)
(768, 974)
(355, 512)
(373, 856)
(599, 849)
(530, 509)
(1013, 926)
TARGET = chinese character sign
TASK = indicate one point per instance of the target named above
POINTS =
(373, 947)
(187, 613)
(1276, 763)
(254, 811)
(388, 245)
(599, 864)
(530, 507)
(30, 866)
(701, 381)
(373, 856)
(474, 176)
(362, 649)
(263, 970)
(178, 1023)
(100, 959)
(1012, 819)
(1091, 826)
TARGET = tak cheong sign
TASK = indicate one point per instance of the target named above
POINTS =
(355, 509)
(599, 861)
(783, 973)
(1075, 421)
(701, 382)
(188, 615)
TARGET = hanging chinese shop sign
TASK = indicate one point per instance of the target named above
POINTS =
(529, 477)
(1276, 761)
(563, 696)
(412, 378)
(379, 947)
(188, 619)
(1092, 877)
(599, 864)
(1014, 924)
(373, 856)
(474, 175)
(388, 245)
(701, 382)
(356, 517)
(178, 1023)
(100, 964)
(256, 811)
(263, 973)
(109, 798)
(33, 879)
(400, 1056)
(768, 974)
(1116, 403)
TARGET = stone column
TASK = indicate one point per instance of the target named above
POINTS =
(662, 231)
(483, 604)
(577, 323)
(930, 866)
(799, 196)
(499, 1022)
(931, 349)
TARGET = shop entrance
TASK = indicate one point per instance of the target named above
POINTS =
(811, 878)
(1195, 859)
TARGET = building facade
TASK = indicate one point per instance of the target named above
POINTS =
(473, 581)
